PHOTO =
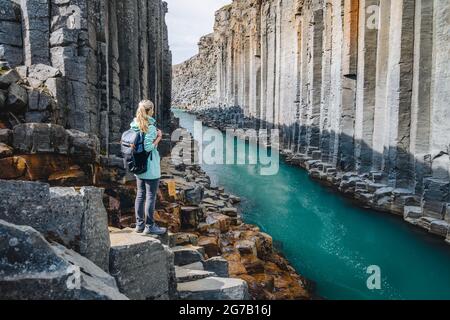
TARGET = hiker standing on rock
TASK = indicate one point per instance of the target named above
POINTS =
(148, 181)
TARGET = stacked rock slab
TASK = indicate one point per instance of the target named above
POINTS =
(354, 86)
(76, 219)
(142, 266)
(107, 56)
(32, 268)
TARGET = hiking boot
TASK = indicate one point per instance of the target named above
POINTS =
(139, 229)
(154, 229)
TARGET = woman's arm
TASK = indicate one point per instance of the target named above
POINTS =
(150, 138)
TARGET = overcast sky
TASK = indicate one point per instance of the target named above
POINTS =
(187, 21)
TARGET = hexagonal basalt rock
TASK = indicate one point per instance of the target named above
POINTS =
(33, 269)
(75, 219)
(142, 266)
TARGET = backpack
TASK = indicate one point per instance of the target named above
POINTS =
(133, 151)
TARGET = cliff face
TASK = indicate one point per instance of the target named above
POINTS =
(94, 59)
(195, 81)
(359, 85)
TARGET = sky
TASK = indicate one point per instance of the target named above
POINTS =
(187, 21)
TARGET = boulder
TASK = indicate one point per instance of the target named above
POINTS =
(83, 146)
(182, 239)
(412, 212)
(440, 228)
(38, 100)
(210, 244)
(6, 136)
(214, 288)
(186, 275)
(33, 269)
(3, 96)
(142, 266)
(13, 168)
(219, 221)
(231, 212)
(246, 247)
(76, 219)
(5, 150)
(40, 138)
(39, 73)
(194, 195)
(17, 99)
(8, 78)
(190, 217)
(218, 265)
(187, 255)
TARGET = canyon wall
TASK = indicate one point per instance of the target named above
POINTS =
(359, 86)
(94, 60)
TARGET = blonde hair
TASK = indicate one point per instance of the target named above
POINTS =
(145, 109)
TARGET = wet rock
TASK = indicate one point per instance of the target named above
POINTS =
(412, 212)
(435, 195)
(440, 228)
(33, 269)
(231, 212)
(184, 255)
(142, 266)
(218, 265)
(214, 288)
(185, 275)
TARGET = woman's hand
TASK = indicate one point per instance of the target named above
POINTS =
(158, 139)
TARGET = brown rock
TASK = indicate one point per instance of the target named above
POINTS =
(235, 266)
(190, 217)
(246, 247)
(5, 150)
(12, 168)
(219, 221)
(72, 176)
(211, 245)
(252, 264)
(183, 239)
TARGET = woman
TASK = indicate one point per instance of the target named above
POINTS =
(148, 182)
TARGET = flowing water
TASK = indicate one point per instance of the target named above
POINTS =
(331, 241)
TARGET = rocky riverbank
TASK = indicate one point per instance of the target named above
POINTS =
(357, 89)
(205, 219)
(367, 190)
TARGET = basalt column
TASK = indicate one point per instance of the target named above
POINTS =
(95, 60)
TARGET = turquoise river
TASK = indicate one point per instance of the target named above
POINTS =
(331, 241)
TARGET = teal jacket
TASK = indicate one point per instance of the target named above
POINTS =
(153, 162)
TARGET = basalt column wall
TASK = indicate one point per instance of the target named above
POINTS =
(108, 55)
(360, 86)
